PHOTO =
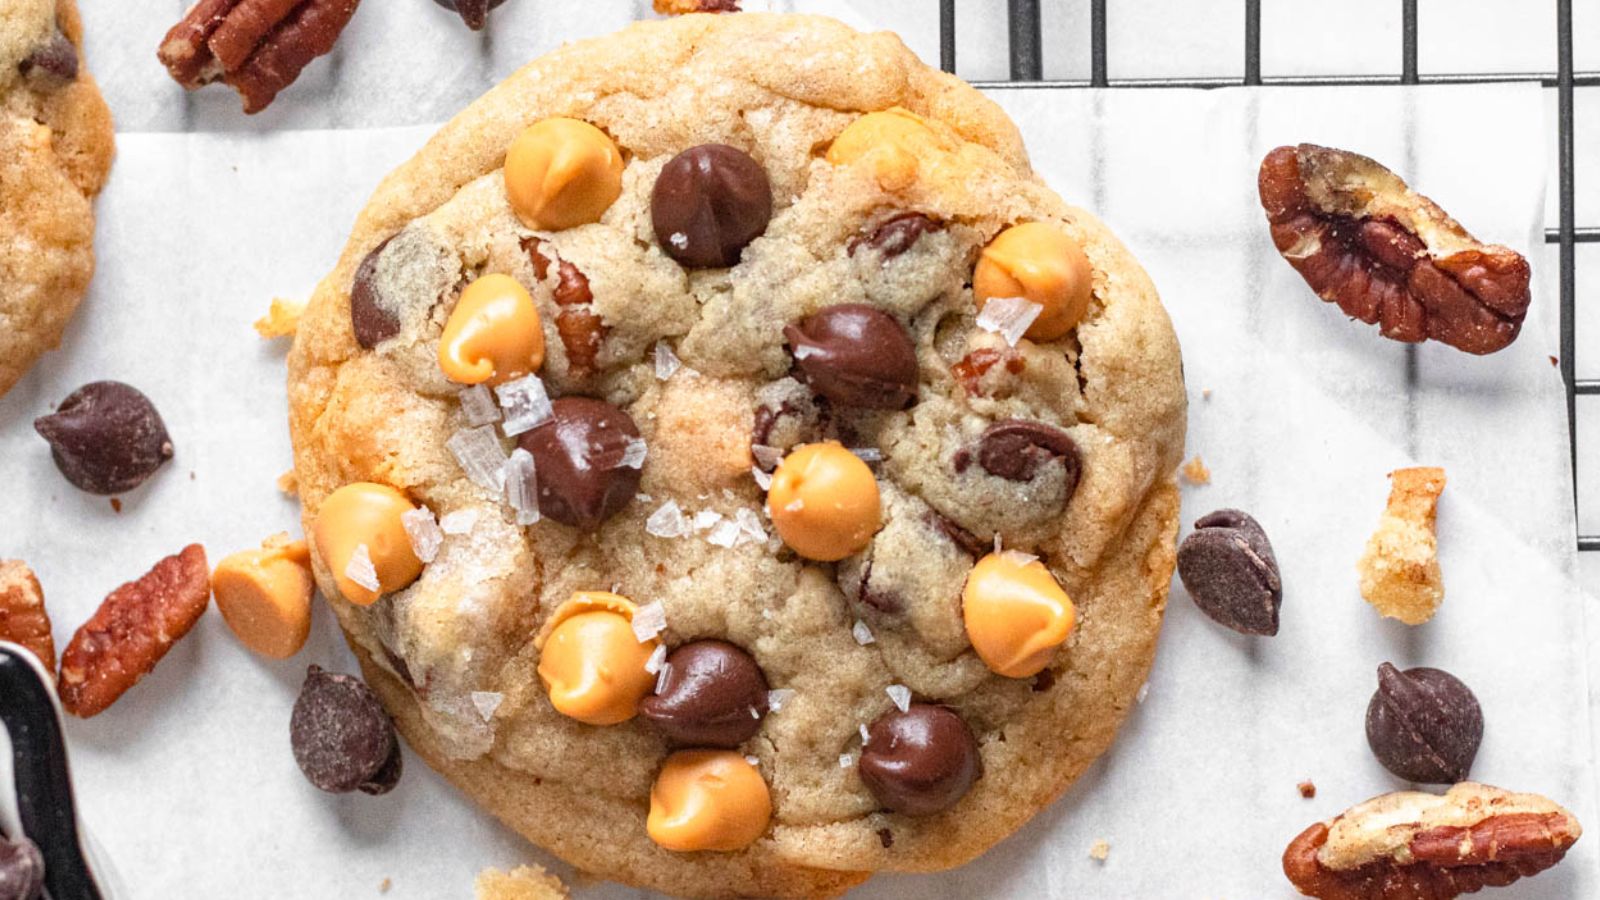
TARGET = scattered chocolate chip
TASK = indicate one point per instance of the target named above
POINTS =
(1228, 568)
(1015, 449)
(1424, 725)
(709, 203)
(579, 456)
(473, 12)
(342, 738)
(106, 437)
(54, 63)
(856, 355)
(895, 235)
(21, 870)
(714, 695)
(920, 761)
(372, 322)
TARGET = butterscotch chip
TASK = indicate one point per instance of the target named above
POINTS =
(1400, 574)
(522, 883)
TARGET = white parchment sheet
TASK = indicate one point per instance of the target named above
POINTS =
(189, 783)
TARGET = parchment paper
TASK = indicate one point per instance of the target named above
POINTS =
(189, 783)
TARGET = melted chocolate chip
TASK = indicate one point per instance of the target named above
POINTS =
(473, 12)
(21, 870)
(959, 536)
(920, 761)
(1015, 449)
(579, 456)
(856, 355)
(714, 695)
(709, 203)
(1227, 566)
(896, 235)
(342, 739)
(106, 437)
(1424, 725)
(372, 321)
(54, 62)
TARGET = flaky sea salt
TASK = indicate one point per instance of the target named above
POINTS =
(478, 406)
(487, 702)
(846, 760)
(480, 455)
(766, 457)
(662, 676)
(723, 534)
(1009, 317)
(706, 518)
(658, 658)
(667, 362)
(522, 486)
(668, 521)
(865, 737)
(526, 403)
(901, 695)
(868, 454)
(749, 526)
(763, 480)
(777, 697)
(1018, 558)
(806, 350)
(678, 239)
(753, 760)
(633, 455)
(1144, 691)
(649, 620)
(360, 568)
(862, 633)
(459, 522)
(423, 531)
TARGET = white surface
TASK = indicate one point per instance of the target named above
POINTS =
(189, 782)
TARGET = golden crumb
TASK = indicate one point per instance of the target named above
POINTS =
(1100, 850)
(281, 320)
(1308, 789)
(683, 7)
(1400, 569)
(1195, 472)
(289, 483)
(384, 885)
(1205, 393)
(521, 883)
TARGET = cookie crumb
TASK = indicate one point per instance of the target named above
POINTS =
(281, 320)
(384, 885)
(288, 483)
(1400, 574)
(116, 504)
(1205, 393)
(1554, 362)
(521, 883)
(1099, 850)
(1195, 471)
(1308, 790)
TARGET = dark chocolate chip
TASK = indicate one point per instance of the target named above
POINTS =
(55, 62)
(341, 737)
(1228, 568)
(1015, 449)
(1424, 725)
(709, 203)
(21, 870)
(579, 456)
(895, 235)
(856, 355)
(106, 437)
(884, 601)
(920, 761)
(473, 12)
(369, 317)
(886, 838)
(713, 695)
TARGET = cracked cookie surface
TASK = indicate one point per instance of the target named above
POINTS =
(700, 360)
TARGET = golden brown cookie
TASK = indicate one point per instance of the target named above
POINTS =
(697, 484)
(56, 146)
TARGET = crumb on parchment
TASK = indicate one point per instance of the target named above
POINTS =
(281, 320)
(1100, 849)
(1195, 472)
(289, 483)
(521, 883)
(1308, 789)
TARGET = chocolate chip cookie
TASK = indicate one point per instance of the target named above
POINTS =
(733, 467)
(55, 150)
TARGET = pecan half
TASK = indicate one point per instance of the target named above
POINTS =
(683, 7)
(133, 628)
(1415, 846)
(256, 47)
(1385, 254)
(580, 327)
(23, 618)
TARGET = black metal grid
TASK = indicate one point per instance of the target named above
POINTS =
(1027, 70)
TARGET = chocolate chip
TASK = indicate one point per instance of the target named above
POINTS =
(710, 202)
(920, 761)
(342, 738)
(1228, 568)
(896, 235)
(372, 321)
(1015, 449)
(1424, 725)
(473, 12)
(579, 456)
(106, 437)
(959, 536)
(856, 355)
(55, 62)
(21, 870)
(886, 838)
(714, 695)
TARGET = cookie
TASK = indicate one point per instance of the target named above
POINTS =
(56, 146)
(740, 366)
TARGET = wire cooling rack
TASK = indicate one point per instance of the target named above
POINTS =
(1027, 64)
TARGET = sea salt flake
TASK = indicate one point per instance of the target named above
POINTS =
(424, 532)
(459, 522)
(777, 697)
(846, 760)
(706, 518)
(868, 454)
(678, 239)
(658, 658)
(668, 521)
(487, 702)
(755, 713)
(724, 534)
(522, 486)
(360, 568)
(1018, 558)
(1144, 691)
(480, 456)
(1009, 317)
(649, 620)
(667, 362)
(901, 695)
(862, 633)
(526, 403)
(633, 455)
(478, 406)
(766, 457)
(662, 676)
(749, 526)
(763, 479)
(753, 760)
(806, 350)
(865, 737)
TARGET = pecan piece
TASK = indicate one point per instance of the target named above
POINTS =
(579, 326)
(23, 618)
(683, 7)
(257, 47)
(969, 371)
(1414, 846)
(1388, 255)
(133, 628)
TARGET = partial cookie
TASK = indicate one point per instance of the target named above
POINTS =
(1400, 573)
(521, 883)
(56, 146)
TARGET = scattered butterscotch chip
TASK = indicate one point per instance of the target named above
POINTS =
(1308, 789)
(1400, 569)
(289, 483)
(23, 618)
(265, 596)
(684, 7)
(521, 883)
(1100, 849)
(281, 320)
(1195, 471)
